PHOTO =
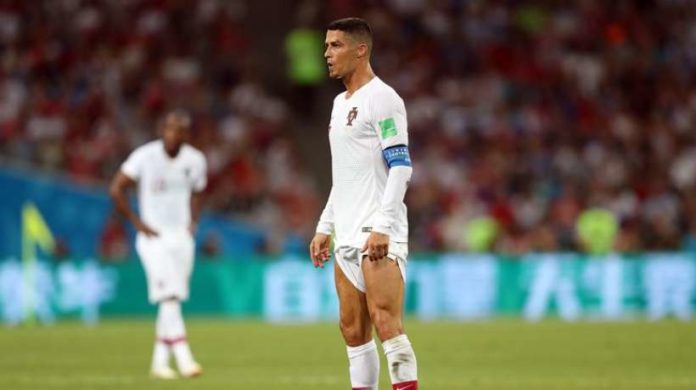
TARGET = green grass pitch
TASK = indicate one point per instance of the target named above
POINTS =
(501, 354)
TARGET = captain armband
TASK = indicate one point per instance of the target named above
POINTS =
(397, 155)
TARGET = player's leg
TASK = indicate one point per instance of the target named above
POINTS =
(385, 296)
(181, 253)
(162, 351)
(356, 329)
(175, 331)
(150, 251)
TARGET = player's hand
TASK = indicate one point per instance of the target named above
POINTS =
(377, 246)
(319, 249)
(146, 230)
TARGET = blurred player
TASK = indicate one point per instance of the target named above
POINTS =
(171, 176)
(371, 168)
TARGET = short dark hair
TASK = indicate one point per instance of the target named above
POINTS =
(357, 28)
(178, 113)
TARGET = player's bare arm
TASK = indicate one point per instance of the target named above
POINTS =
(319, 249)
(119, 193)
(196, 205)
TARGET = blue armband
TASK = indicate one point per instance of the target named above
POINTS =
(397, 155)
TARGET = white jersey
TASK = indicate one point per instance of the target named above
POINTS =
(165, 183)
(362, 126)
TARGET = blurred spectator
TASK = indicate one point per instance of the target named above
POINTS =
(210, 248)
(306, 66)
(597, 230)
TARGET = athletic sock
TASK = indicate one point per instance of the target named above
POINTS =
(364, 366)
(182, 353)
(161, 352)
(160, 355)
(402, 363)
(175, 331)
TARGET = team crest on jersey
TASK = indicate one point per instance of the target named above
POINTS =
(187, 171)
(352, 114)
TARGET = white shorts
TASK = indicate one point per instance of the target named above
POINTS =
(168, 262)
(349, 259)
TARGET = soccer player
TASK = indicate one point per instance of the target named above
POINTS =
(171, 175)
(365, 211)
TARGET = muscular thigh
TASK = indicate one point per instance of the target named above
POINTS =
(356, 326)
(384, 287)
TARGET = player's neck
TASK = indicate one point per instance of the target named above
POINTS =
(172, 152)
(357, 79)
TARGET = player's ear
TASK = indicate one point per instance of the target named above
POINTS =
(362, 49)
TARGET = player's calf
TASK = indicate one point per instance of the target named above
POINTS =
(355, 333)
(397, 349)
(387, 324)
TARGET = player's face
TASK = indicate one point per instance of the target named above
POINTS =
(174, 133)
(341, 54)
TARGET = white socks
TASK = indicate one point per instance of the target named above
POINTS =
(170, 322)
(402, 362)
(182, 354)
(160, 356)
(171, 334)
(364, 366)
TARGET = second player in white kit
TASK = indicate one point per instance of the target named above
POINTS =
(171, 176)
(165, 187)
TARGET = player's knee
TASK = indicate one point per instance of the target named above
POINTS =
(354, 333)
(386, 324)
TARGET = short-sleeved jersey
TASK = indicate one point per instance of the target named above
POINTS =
(165, 184)
(362, 126)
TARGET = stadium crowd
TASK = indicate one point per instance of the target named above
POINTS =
(531, 112)
(84, 82)
(525, 113)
